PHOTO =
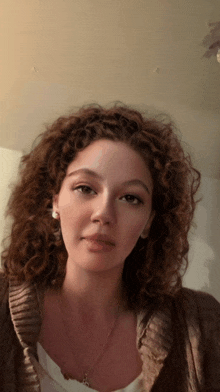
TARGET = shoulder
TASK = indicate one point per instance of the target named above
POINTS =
(200, 310)
(3, 286)
(5, 319)
(199, 303)
(201, 313)
(3, 297)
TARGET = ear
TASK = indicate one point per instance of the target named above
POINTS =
(55, 203)
(146, 230)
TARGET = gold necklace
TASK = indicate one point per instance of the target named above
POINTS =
(85, 380)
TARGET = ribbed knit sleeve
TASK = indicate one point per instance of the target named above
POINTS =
(209, 319)
(19, 328)
(8, 342)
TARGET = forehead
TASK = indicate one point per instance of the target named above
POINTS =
(112, 159)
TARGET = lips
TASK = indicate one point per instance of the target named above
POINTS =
(102, 238)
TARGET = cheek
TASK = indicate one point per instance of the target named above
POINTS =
(135, 224)
(132, 234)
(68, 217)
(73, 220)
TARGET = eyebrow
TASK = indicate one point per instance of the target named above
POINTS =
(97, 176)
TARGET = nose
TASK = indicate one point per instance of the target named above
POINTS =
(103, 211)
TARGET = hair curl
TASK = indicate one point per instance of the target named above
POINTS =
(154, 268)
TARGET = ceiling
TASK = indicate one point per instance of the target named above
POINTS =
(60, 54)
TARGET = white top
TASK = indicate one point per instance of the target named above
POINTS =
(52, 380)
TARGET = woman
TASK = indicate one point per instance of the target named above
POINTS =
(91, 296)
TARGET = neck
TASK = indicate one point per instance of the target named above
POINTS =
(94, 295)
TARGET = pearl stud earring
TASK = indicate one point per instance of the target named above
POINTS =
(55, 215)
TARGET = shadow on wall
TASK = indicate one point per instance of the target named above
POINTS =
(204, 267)
(9, 161)
(201, 258)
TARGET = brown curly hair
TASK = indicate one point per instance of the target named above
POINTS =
(154, 268)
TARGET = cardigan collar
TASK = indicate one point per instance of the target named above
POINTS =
(154, 342)
(26, 317)
(154, 333)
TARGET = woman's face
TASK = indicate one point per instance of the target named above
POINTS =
(105, 203)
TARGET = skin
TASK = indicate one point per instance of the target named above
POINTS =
(106, 204)
(90, 301)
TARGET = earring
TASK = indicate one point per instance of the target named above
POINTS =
(55, 215)
(143, 236)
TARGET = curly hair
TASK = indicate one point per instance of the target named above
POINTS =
(155, 266)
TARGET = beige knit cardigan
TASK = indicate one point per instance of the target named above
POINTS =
(179, 344)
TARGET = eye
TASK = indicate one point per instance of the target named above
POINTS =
(131, 199)
(85, 189)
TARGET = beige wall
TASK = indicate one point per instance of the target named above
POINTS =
(58, 54)
(204, 256)
(9, 161)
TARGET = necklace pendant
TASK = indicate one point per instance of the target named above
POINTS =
(67, 376)
(85, 380)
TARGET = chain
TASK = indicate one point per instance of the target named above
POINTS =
(85, 379)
